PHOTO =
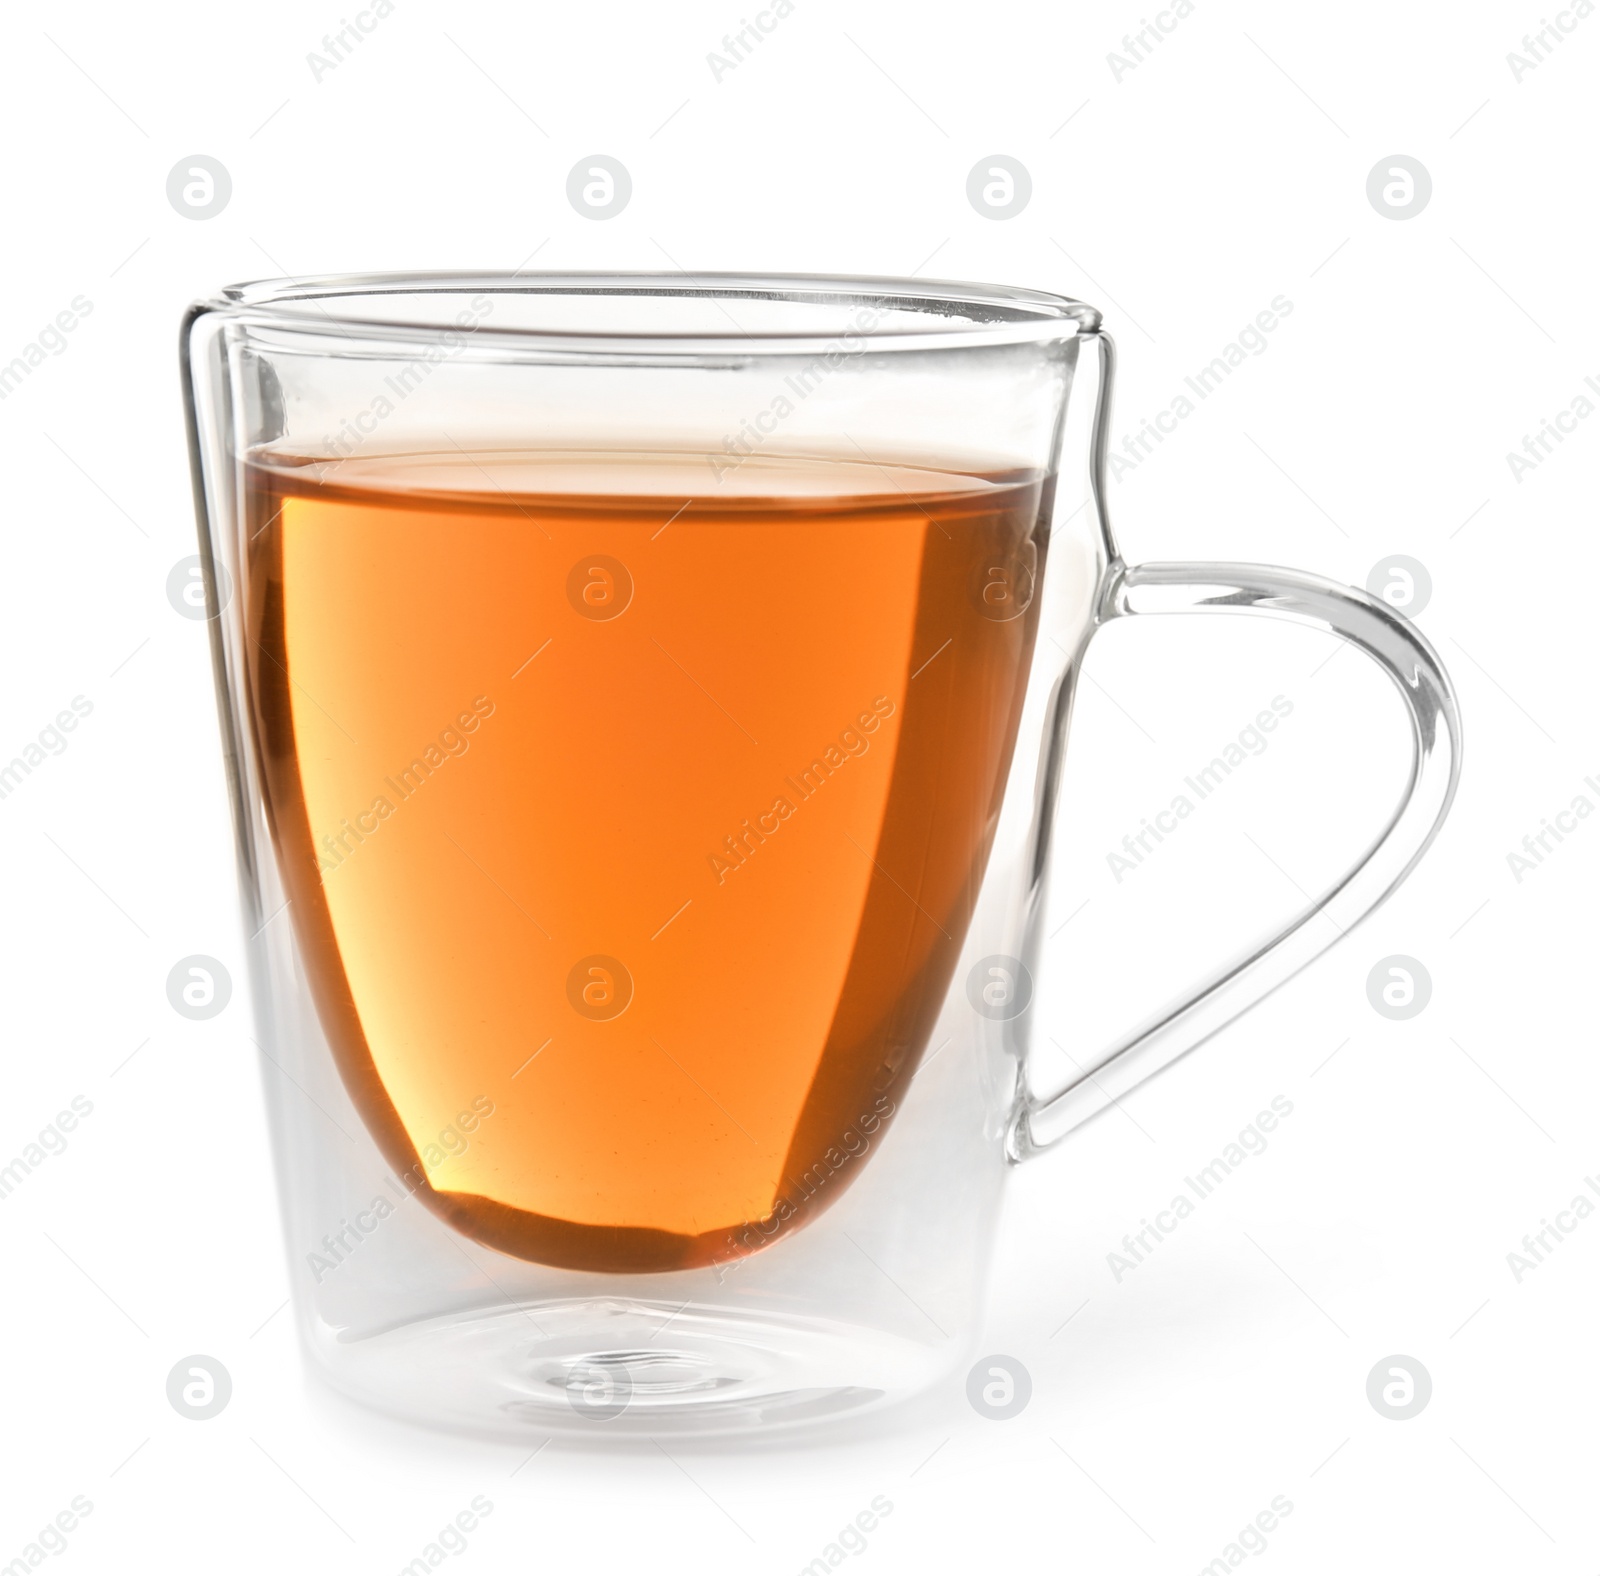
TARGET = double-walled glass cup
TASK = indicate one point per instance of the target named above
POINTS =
(644, 701)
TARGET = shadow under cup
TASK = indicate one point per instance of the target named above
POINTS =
(633, 692)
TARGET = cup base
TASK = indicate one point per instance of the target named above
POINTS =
(610, 1367)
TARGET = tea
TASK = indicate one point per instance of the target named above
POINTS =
(632, 819)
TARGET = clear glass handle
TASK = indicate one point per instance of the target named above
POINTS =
(1397, 647)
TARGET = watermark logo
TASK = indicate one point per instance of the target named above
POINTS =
(51, 340)
(51, 1140)
(1249, 342)
(599, 987)
(1002, 582)
(738, 848)
(199, 187)
(1539, 47)
(999, 186)
(1153, 830)
(999, 987)
(1538, 446)
(1399, 987)
(851, 1538)
(739, 47)
(52, 1537)
(852, 1146)
(198, 1388)
(1402, 582)
(451, 1143)
(1536, 1245)
(1537, 845)
(599, 186)
(199, 987)
(999, 1387)
(599, 1392)
(803, 382)
(1139, 47)
(186, 587)
(1137, 1246)
(50, 740)
(599, 588)
(403, 382)
(339, 47)
(1251, 1538)
(1398, 1388)
(451, 1538)
(452, 742)
(1399, 186)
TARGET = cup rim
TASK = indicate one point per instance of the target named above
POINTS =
(960, 314)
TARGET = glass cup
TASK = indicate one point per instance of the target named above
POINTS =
(644, 752)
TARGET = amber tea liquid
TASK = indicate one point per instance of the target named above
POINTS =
(632, 820)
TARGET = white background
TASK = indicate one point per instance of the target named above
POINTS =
(1228, 168)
